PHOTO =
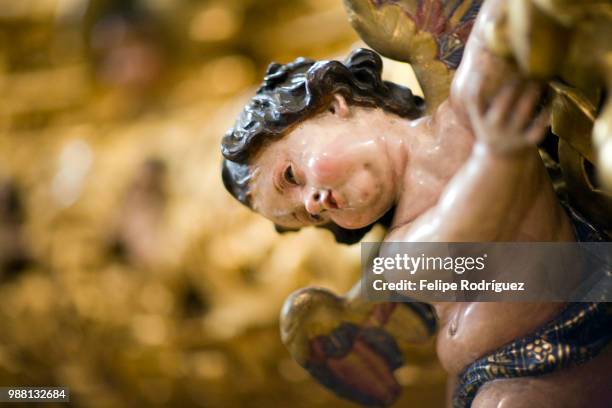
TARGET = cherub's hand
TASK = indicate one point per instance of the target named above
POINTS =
(512, 121)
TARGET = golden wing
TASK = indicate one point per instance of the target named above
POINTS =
(428, 34)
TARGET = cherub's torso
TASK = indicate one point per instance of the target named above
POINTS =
(468, 331)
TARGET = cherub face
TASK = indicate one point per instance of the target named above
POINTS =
(332, 167)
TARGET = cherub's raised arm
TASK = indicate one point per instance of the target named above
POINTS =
(479, 64)
(502, 193)
(498, 188)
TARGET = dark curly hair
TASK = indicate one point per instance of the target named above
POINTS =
(296, 91)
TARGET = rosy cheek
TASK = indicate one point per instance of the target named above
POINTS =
(326, 169)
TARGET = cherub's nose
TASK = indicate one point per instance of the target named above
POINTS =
(314, 201)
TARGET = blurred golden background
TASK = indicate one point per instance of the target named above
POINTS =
(126, 272)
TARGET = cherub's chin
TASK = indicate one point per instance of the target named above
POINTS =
(344, 222)
(355, 222)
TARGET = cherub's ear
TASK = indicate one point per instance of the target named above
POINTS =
(340, 107)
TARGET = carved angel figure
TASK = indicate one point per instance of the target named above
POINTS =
(330, 144)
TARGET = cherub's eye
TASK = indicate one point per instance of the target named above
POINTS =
(289, 175)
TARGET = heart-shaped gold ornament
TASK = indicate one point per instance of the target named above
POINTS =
(352, 346)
